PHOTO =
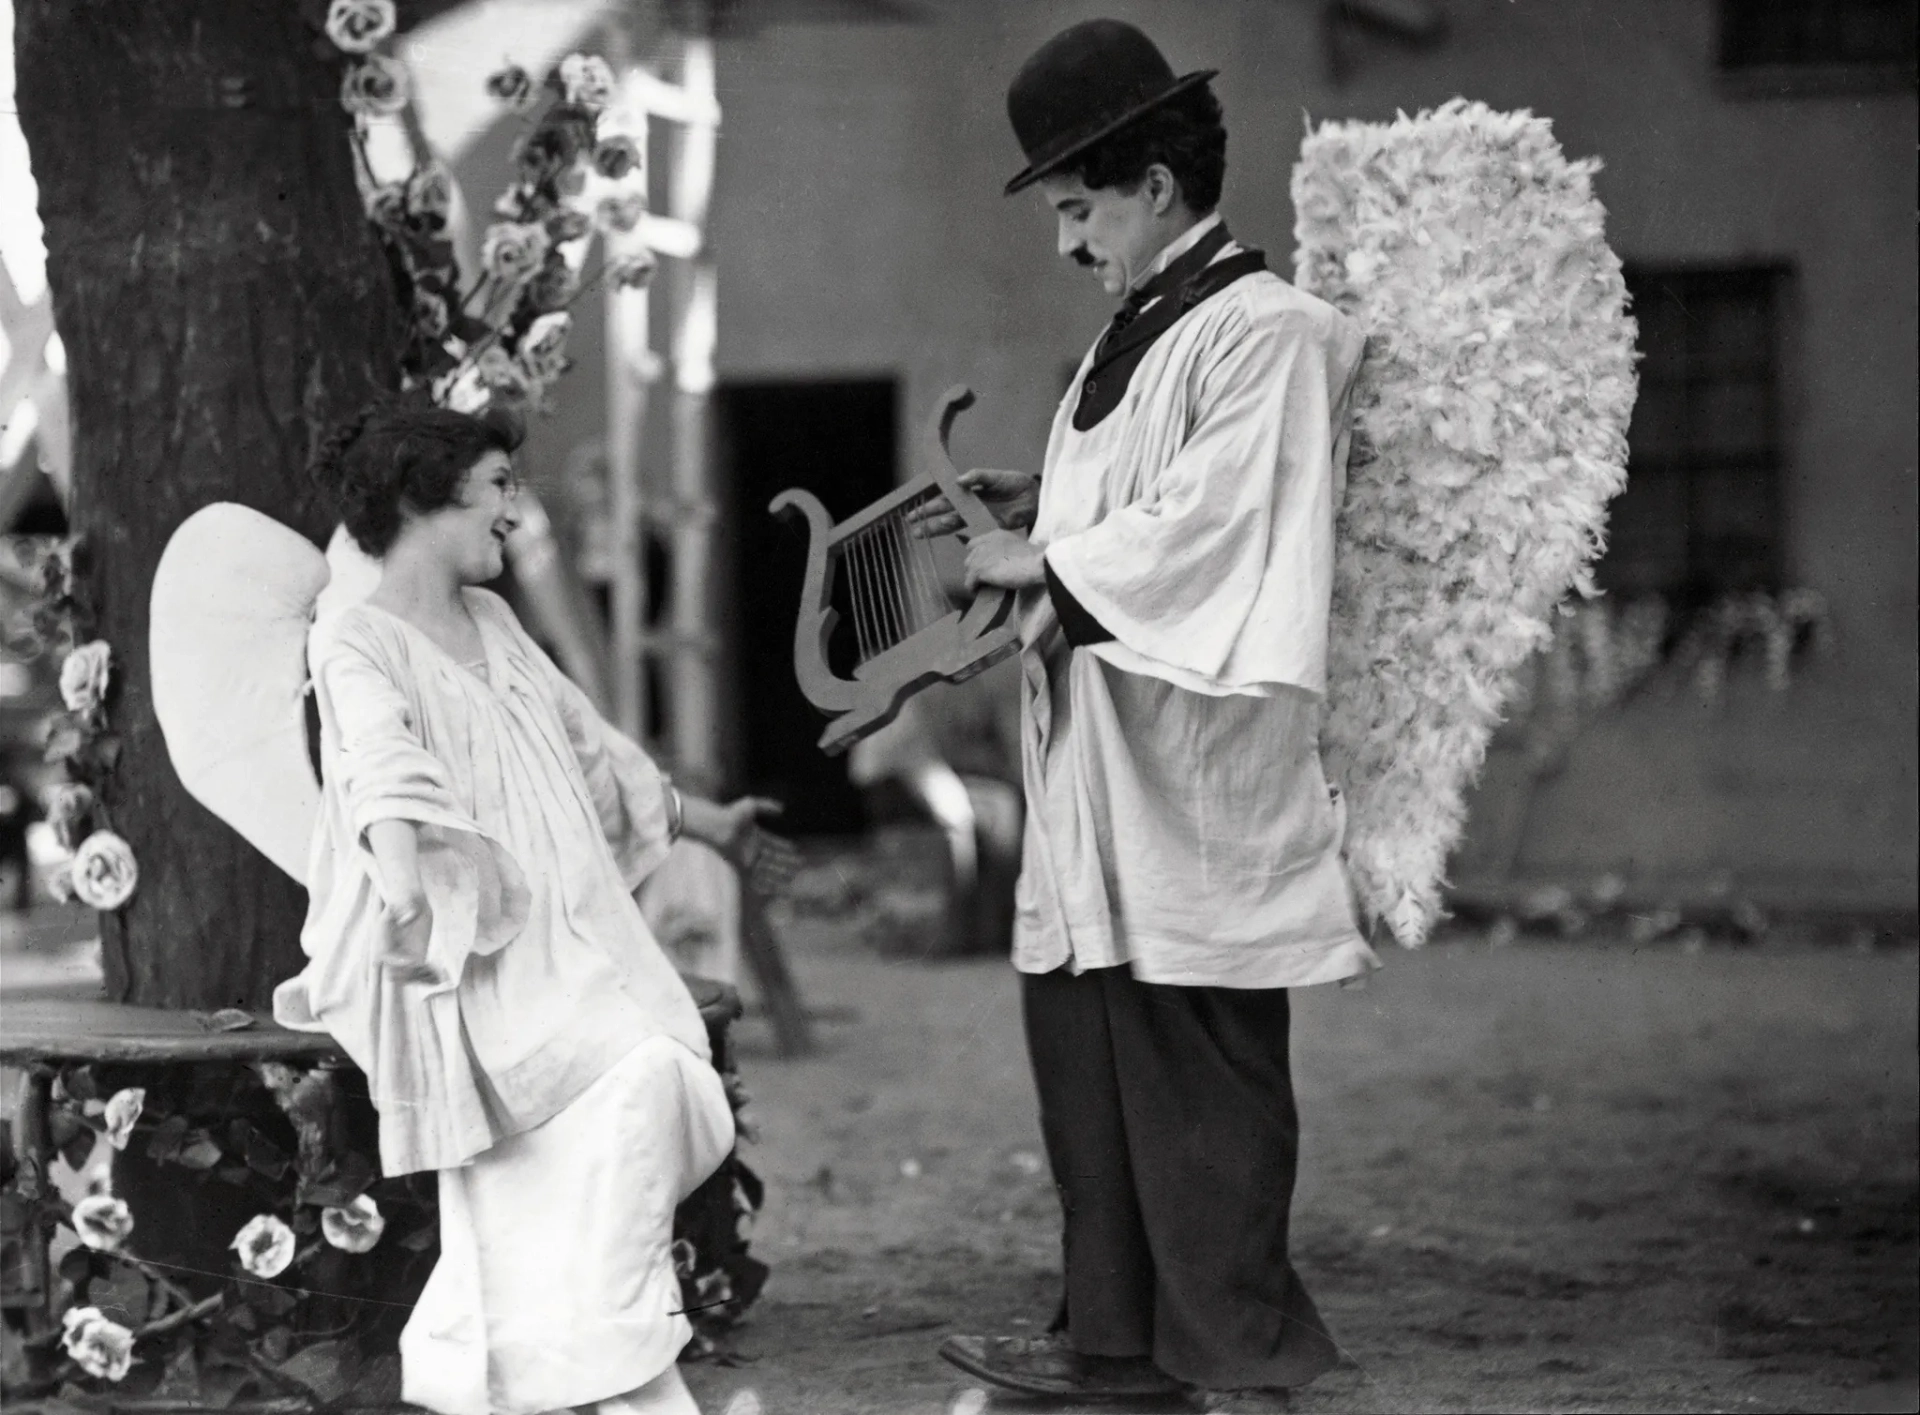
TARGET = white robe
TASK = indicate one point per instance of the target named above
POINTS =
(560, 1082)
(1179, 822)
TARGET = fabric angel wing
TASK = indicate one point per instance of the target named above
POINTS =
(1490, 421)
(234, 599)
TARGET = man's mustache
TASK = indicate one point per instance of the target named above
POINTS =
(1080, 255)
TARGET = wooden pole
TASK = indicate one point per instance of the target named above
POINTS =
(631, 369)
(695, 689)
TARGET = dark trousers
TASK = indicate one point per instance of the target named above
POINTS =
(1170, 1125)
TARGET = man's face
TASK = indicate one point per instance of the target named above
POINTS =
(1112, 232)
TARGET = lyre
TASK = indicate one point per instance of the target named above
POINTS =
(907, 633)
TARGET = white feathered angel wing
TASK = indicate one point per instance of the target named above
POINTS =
(233, 598)
(1494, 402)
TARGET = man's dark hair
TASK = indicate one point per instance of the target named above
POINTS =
(1184, 134)
(404, 454)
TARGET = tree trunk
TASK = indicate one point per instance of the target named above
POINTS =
(221, 298)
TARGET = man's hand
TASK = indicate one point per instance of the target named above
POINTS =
(1005, 559)
(766, 862)
(1012, 497)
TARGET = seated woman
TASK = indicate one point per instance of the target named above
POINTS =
(475, 947)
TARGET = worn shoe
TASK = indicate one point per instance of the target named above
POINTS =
(1047, 1365)
(1238, 1402)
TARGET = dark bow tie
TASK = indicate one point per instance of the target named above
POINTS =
(1178, 272)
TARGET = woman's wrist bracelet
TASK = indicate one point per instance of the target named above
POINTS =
(676, 812)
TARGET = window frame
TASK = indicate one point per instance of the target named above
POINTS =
(1705, 573)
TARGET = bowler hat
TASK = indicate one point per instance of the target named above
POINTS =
(1083, 84)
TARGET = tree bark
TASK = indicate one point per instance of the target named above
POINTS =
(221, 299)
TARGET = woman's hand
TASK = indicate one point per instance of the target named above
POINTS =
(404, 954)
(1012, 497)
(766, 862)
(1006, 559)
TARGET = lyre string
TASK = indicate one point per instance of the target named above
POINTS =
(903, 598)
(893, 581)
(926, 573)
(896, 596)
(903, 551)
(858, 595)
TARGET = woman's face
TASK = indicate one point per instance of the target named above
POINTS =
(472, 531)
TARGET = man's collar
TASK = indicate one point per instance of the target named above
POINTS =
(1176, 248)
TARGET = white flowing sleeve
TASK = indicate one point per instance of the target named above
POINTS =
(384, 771)
(629, 790)
(1221, 571)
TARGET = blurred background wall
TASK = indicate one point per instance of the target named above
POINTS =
(1760, 181)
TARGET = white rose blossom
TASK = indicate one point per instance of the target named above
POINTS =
(102, 1348)
(68, 806)
(103, 1222)
(543, 348)
(587, 81)
(105, 873)
(512, 251)
(84, 676)
(354, 1227)
(513, 86)
(375, 87)
(265, 1245)
(430, 194)
(387, 205)
(123, 1113)
(462, 391)
(499, 374)
(359, 26)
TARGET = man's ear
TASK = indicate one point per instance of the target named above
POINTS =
(1163, 188)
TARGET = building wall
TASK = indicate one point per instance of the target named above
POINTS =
(860, 230)
(860, 225)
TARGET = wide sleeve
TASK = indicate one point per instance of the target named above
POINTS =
(383, 771)
(1221, 570)
(628, 788)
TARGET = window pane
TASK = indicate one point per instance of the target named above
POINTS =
(1647, 535)
(1659, 427)
(1701, 513)
(1734, 526)
(1732, 419)
(1663, 332)
(1770, 32)
(1734, 337)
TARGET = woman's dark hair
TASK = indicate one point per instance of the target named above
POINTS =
(400, 454)
(1185, 134)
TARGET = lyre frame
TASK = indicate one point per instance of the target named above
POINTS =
(953, 647)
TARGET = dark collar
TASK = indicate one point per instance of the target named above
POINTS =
(1150, 312)
(1179, 270)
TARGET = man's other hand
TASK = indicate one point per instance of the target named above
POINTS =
(1006, 559)
(1012, 497)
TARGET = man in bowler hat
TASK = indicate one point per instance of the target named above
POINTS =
(1181, 868)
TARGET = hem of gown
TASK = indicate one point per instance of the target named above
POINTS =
(621, 1381)
(450, 1348)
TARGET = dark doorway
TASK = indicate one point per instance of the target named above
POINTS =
(838, 440)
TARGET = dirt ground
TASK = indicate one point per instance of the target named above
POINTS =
(1547, 1176)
